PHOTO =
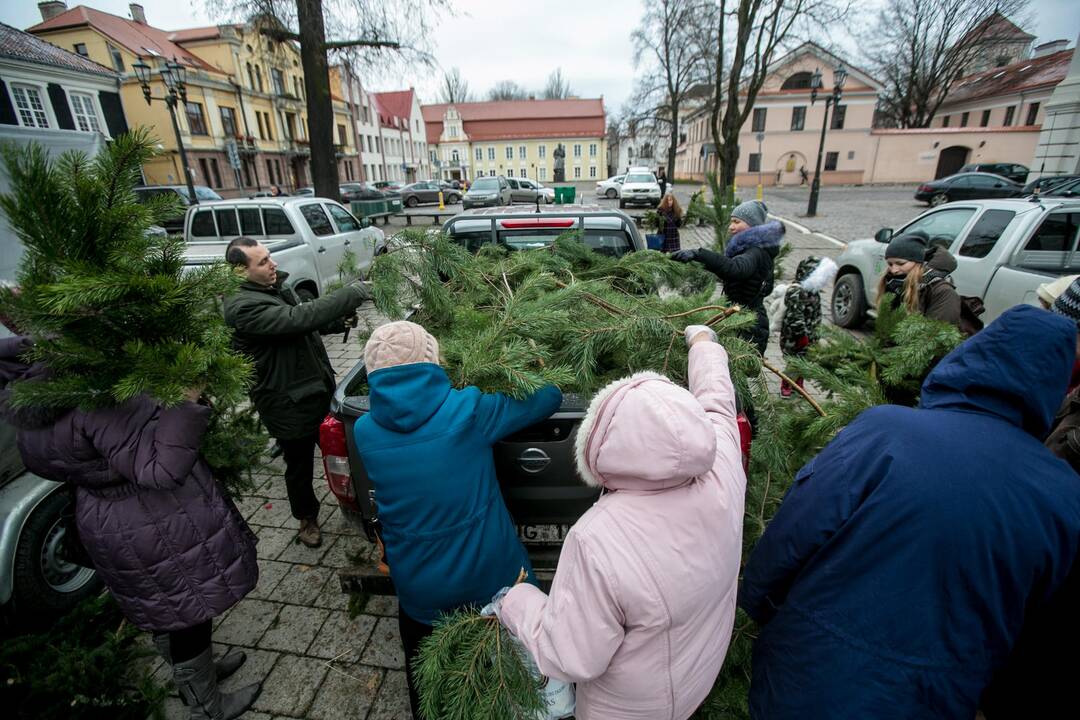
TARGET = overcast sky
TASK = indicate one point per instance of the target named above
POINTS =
(492, 40)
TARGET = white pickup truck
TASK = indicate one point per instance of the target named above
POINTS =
(307, 236)
(1004, 250)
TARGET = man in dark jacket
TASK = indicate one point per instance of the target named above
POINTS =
(896, 577)
(294, 379)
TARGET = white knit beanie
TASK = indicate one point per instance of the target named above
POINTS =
(400, 343)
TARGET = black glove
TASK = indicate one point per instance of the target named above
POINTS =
(684, 255)
(350, 323)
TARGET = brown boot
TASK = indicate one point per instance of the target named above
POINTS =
(310, 534)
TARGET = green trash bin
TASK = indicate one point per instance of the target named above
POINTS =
(393, 203)
(565, 195)
(367, 208)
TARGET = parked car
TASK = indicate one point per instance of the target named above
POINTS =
(1004, 250)
(307, 237)
(359, 191)
(526, 190)
(967, 186)
(1012, 171)
(610, 188)
(1070, 188)
(175, 225)
(535, 467)
(428, 192)
(639, 187)
(1046, 182)
(299, 192)
(487, 192)
(388, 185)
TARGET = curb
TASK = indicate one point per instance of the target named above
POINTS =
(807, 231)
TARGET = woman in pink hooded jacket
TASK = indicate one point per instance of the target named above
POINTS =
(643, 602)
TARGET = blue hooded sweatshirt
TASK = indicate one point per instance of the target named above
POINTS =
(427, 449)
(894, 580)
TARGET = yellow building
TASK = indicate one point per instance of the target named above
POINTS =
(244, 90)
(518, 138)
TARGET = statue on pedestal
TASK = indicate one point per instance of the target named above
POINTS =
(560, 163)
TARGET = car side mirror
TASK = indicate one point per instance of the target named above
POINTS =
(883, 235)
(365, 222)
(997, 184)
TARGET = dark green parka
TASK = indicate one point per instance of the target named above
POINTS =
(294, 379)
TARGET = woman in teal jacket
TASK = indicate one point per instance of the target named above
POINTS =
(449, 539)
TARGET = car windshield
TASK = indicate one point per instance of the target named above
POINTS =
(640, 178)
(487, 185)
(204, 194)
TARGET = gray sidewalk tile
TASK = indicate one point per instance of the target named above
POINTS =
(270, 574)
(343, 638)
(393, 700)
(347, 693)
(384, 648)
(246, 623)
(291, 686)
(301, 585)
(294, 629)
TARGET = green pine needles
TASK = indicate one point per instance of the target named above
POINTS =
(113, 310)
(470, 668)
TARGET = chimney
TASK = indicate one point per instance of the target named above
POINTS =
(137, 13)
(51, 9)
(1049, 48)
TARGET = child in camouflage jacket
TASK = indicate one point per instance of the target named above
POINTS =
(802, 310)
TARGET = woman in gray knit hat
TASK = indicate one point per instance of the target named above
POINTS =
(918, 276)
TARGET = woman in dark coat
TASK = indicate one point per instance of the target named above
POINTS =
(171, 548)
(918, 276)
(746, 267)
(671, 216)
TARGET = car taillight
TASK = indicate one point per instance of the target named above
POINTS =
(746, 436)
(925, 188)
(335, 454)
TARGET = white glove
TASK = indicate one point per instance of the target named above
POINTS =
(693, 331)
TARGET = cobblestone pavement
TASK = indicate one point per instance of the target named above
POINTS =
(318, 661)
(847, 212)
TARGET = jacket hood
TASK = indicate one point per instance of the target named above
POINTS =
(817, 276)
(405, 397)
(14, 369)
(938, 258)
(768, 236)
(644, 432)
(1018, 369)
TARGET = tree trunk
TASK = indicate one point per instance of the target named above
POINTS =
(674, 142)
(324, 173)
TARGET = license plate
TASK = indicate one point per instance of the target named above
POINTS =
(543, 534)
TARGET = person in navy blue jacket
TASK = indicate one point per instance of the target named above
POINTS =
(450, 541)
(907, 556)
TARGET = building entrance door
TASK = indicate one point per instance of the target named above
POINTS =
(951, 159)
(787, 170)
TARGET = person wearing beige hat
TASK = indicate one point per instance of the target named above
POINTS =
(427, 447)
(1048, 292)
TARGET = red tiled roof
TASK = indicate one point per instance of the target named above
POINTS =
(521, 119)
(210, 32)
(1046, 71)
(143, 40)
(18, 45)
(395, 104)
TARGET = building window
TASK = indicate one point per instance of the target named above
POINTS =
(509, 172)
(269, 128)
(258, 78)
(80, 49)
(543, 172)
(455, 158)
(945, 121)
(247, 182)
(251, 76)
(31, 108)
(479, 153)
(985, 119)
(278, 78)
(577, 151)
(577, 173)
(831, 159)
(117, 58)
(839, 115)
(1010, 112)
(850, 154)
(521, 152)
(759, 119)
(208, 167)
(491, 153)
(524, 172)
(509, 152)
(754, 163)
(85, 113)
(258, 118)
(341, 135)
(1033, 113)
(196, 120)
(228, 122)
(798, 117)
(541, 151)
(592, 171)
(592, 150)
(270, 172)
(964, 119)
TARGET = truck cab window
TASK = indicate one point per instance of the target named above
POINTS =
(250, 222)
(988, 229)
(1052, 247)
(345, 221)
(316, 219)
(276, 222)
(202, 225)
(226, 220)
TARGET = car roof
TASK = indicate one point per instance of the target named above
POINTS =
(977, 174)
(603, 216)
(167, 187)
(284, 201)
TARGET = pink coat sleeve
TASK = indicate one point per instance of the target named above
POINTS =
(573, 633)
(710, 383)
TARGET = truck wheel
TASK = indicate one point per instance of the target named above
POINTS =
(412, 202)
(849, 301)
(46, 584)
(611, 194)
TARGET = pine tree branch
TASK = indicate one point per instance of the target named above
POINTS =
(768, 366)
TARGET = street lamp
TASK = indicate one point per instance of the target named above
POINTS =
(833, 98)
(174, 75)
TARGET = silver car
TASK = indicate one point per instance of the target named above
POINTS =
(488, 192)
(526, 190)
(610, 188)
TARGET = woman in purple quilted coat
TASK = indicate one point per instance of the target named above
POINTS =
(171, 548)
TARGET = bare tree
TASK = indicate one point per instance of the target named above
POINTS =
(363, 31)
(454, 88)
(557, 87)
(668, 47)
(920, 49)
(507, 90)
(749, 35)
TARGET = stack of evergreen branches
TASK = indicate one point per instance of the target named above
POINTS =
(113, 310)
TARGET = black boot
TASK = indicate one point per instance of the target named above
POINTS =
(196, 680)
(229, 663)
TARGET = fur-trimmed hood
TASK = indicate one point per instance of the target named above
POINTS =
(768, 236)
(644, 433)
